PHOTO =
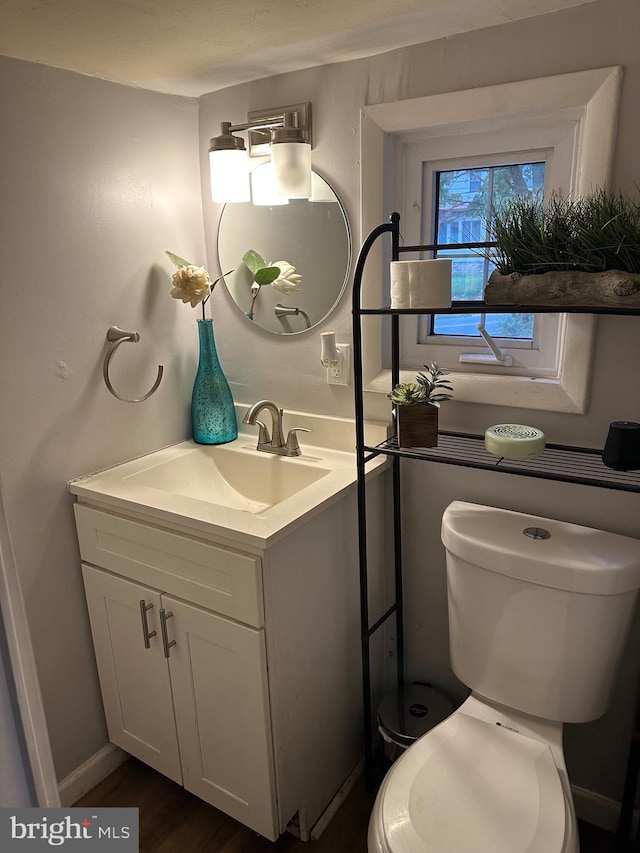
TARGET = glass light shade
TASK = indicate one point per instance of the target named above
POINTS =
(229, 173)
(263, 186)
(292, 165)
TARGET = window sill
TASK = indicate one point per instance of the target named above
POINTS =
(523, 392)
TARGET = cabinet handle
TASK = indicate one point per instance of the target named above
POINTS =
(163, 627)
(146, 634)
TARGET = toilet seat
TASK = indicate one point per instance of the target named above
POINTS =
(472, 786)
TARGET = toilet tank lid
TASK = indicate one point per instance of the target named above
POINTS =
(542, 550)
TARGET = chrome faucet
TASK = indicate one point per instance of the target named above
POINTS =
(275, 443)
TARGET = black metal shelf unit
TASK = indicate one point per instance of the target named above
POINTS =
(557, 462)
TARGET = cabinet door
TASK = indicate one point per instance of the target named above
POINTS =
(135, 682)
(219, 679)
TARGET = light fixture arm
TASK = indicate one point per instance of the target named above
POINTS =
(292, 123)
(227, 127)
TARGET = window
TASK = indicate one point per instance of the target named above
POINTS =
(566, 122)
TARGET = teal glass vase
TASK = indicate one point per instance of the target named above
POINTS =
(213, 415)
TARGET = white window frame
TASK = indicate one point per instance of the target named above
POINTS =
(577, 112)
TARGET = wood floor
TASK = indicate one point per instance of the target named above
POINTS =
(174, 821)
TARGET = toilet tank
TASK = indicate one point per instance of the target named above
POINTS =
(539, 610)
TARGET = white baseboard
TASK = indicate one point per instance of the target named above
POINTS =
(600, 811)
(87, 776)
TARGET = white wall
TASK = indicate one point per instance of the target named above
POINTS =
(598, 35)
(96, 181)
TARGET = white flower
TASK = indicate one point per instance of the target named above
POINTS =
(191, 284)
(288, 279)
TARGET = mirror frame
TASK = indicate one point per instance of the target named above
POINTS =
(341, 290)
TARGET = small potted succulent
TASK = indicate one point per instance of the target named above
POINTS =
(416, 406)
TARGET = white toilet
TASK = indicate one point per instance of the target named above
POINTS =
(539, 613)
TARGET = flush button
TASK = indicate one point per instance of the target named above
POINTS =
(536, 533)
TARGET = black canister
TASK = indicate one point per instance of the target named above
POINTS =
(622, 447)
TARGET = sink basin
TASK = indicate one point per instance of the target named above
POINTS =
(229, 476)
(233, 490)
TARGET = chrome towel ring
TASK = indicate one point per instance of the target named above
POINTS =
(116, 336)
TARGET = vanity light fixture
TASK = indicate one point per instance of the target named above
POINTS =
(282, 132)
(228, 167)
(291, 158)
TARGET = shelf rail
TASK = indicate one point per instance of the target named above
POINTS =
(393, 228)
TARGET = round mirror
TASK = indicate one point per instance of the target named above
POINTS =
(311, 235)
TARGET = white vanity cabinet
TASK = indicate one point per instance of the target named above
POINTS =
(231, 666)
(184, 688)
(199, 716)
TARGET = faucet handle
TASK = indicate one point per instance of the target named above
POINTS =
(263, 433)
(293, 448)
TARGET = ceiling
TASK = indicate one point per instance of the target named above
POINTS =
(190, 47)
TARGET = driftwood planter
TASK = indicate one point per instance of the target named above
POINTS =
(417, 426)
(609, 289)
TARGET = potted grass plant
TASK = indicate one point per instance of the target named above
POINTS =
(580, 252)
(416, 406)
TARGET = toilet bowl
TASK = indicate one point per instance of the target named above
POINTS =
(524, 593)
(485, 779)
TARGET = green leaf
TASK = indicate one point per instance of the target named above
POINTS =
(266, 275)
(178, 261)
(254, 261)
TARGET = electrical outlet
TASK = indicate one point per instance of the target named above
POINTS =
(341, 373)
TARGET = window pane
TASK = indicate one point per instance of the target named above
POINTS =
(465, 198)
(510, 325)
(456, 324)
(462, 205)
(467, 275)
(521, 179)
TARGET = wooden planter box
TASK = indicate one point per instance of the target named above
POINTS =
(417, 426)
(609, 289)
